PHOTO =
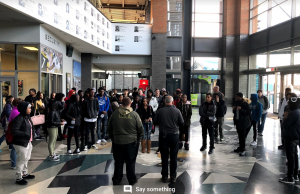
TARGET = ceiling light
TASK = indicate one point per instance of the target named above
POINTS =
(30, 48)
(1, 49)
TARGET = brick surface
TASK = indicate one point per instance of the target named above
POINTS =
(159, 16)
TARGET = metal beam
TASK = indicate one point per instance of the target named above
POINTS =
(123, 6)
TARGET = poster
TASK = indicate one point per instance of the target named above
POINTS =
(5, 89)
(20, 87)
(68, 82)
(194, 99)
(51, 60)
(77, 75)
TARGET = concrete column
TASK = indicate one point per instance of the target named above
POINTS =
(86, 70)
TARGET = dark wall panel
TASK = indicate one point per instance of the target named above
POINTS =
(208, 45)
(258, 40)
(297, 27)
(174, 44)
(280, 33)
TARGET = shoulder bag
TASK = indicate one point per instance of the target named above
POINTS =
(38, 119)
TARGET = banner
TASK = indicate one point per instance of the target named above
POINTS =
(77, 75)
(194, 99)
(51, 60)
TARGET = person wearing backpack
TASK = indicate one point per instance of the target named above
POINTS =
(5, 115)
(54, 121)
(220, 113)
(73, 118)
(266, 105)
(256, 110)
(23, 133)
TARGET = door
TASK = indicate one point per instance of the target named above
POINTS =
(268, 87)
(8, 87)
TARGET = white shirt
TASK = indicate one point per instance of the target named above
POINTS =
(281, 110)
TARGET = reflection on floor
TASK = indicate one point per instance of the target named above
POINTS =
(198, 172)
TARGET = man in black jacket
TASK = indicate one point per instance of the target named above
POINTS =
(90, 111)
(31, 99)
(169, 119)
(242, 121)
(207, 112)
(220, 113)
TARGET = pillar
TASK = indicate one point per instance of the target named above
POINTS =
(86, 70)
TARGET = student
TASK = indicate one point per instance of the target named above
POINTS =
(220, 113)
(151, 100)
(158, 96)
(136, 103)
(22, 131)
(291, 134)
(266, 105)
(207, 112)
(90, 110)
(185, 108)
(73, 118)
(146, 114)
(135, 92)
(256, 109)
(178, 98)
(39, 108)
(242, 121)
(120, 99)
(103, 102)
(5, 115)
(54, 121)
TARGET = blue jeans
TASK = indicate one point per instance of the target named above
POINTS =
(102, 122)
(261, 123)
(147, 131)
(13, 156)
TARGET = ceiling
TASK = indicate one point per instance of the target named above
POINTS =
(9, 15)
(124, 11)
(120, 67)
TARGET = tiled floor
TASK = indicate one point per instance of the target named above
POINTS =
(222, 172)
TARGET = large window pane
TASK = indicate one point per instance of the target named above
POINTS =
(7, 56)
(260, 9)
(282, 12)
(206, 63)
(259, 23)
(208, 17)
(27, 57)
(203, 29)
(208, 6)
(173, 63)
(280, 58)
(254, 3)
(297, 55)
(175, 5)
(174, 28)
(258, 61)
(297, 84)
(175, 16)
(26, 81)
(297, 8)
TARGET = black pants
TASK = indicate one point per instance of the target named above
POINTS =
(292, 157)
(281, 128)
(125, 153)
(254, 125)
(89, 126)
(208, 126)
(65, 130)
(184, 130)
(71, 132)
(168, 145)
(242, 136)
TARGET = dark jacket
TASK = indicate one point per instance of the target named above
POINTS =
(145, 114)
(135, 105)
(207, 110)
(221, 106)
(244, 114)
(186, 112)
(54, 115)
(73, 111)
(22, 126)
(6, 113)
(256, 108)
(291, 125)
(90, 108)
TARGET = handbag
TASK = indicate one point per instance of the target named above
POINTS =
(38, 119)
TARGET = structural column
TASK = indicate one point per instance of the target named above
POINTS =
(186, 50)
(86, 70)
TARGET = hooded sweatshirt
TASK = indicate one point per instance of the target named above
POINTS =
(256, 108)
(291, 125)
(125, 126)
(103, 103)
(13, 113)
(69, 95)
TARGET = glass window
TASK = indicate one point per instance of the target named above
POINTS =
(297, 84)
(280, 58)
(176, 16)
(28, 57)
(259, 23)
(254, 3)
(204, 29)
(297, 55)
(173, 63)
(282, 12)
(258, 61)
(45, 83)
(7, 56)
(175, 5)
(174, 28)
(27, 80)
(211, 6)
(259, 9)
(208, 17)
(297, 8)
(206, 63)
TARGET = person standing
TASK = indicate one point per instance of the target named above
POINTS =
(135, 92)
(146, 114)
(151, 100)
(73, 118)
(54, 121)
(169, 119)
(185, 108)
(125, 130)
(291, 134)
(90, 110)
(5, 115)
(136, 103)
(39, 108)
(22, 131)
(256, 110)
(282, 104)
(220, 113)
(207, 112)
(266, 105)
(31, 99)
(102, 119)
(241, 116)
(157, 96)
(216, 90)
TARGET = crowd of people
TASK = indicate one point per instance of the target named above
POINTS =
(129, 120)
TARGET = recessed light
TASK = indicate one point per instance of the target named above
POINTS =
(30, 48)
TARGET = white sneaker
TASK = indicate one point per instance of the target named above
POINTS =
(98, 142)
(85, 148)
(70, 152)
(253, 143)
(103, 142)
(94, 147)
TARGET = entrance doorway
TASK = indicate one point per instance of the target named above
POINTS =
(7, 88)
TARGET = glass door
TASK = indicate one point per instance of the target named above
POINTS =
(268, 88)
(7, 88)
